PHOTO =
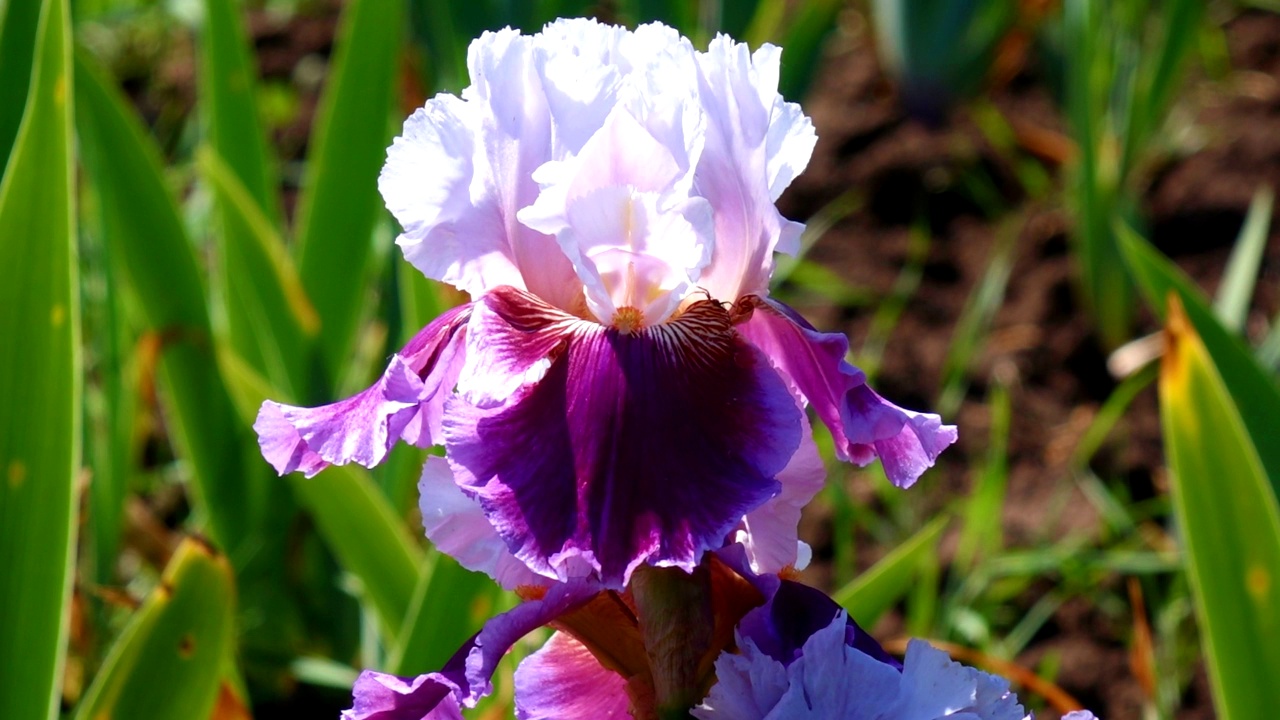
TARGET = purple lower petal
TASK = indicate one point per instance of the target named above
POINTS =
(379, 696)
(564, 681)
(467, 676)
(406, 402)
(865, 425)
(628, 448)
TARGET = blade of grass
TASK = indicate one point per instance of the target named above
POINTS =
(167, 662)
(339, 202)
(144, 234)
(904, 286)
(1269, 350)
(982, 521)
(227, 92)
(1253, 390)
(884, 583)
(40, 382)
(976, 318)
(1230, 524)
(822, 221)
(1241, 274)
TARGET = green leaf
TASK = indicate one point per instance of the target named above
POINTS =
(1255, 393)
(168, 661)
(144, 234)
(238, 204)
(1241, 274)
(1230, 524)
(358, 524)
(228, 87)
(440, 618)
(40, 382)
(339, 203)
(883, 584)
(18, 22)
(267, 322)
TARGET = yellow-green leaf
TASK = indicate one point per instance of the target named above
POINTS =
(168, 662)
(1230, 525)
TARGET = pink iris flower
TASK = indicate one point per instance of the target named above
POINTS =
(620, 390)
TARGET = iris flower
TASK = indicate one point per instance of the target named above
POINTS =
(621, 389)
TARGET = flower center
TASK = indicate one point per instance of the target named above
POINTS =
(628, 319)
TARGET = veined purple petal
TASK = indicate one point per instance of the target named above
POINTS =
(405, 402)
(564, 681)
(865, 425)
(628, 448)
(467, 676)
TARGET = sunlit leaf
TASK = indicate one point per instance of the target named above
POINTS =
(339, 203)
(885, 583)
(143, 233)
(1230, 524)
(166, 662)
(40, 382)
(1254, 392)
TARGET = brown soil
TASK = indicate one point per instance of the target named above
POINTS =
(1041, 345)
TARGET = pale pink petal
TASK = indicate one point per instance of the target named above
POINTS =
(461, 170)
(457, 526)
(755, 143)
(564, 681)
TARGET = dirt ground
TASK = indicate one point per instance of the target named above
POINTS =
(1041, 346)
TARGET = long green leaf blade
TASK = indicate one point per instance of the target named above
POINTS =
(167, 664)
(256, 307)
(339, 203)
(40, 382)
(144, 233)
(1230, 525)
(358, 524)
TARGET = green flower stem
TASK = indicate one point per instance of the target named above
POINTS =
(674, 609)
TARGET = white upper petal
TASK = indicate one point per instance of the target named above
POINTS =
(484, 185)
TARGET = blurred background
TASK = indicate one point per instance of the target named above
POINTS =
(1003, 195)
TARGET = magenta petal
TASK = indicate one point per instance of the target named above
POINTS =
(864, 425)
(407, 399)
(564, 681)
(379, 696)
(467, 676)
(646, 447)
